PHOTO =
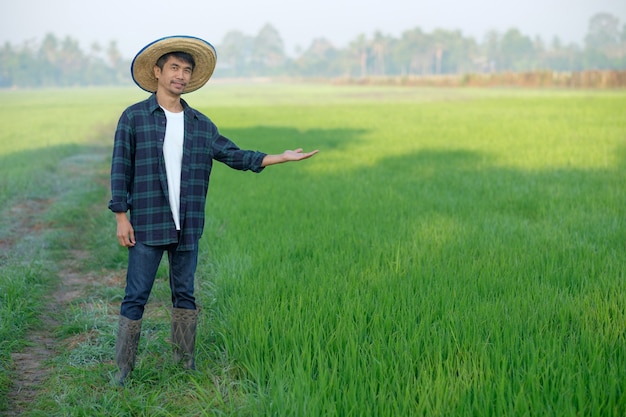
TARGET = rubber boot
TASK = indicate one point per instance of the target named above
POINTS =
(184, 323)
(126, 347)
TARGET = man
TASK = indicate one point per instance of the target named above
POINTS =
(162, 159)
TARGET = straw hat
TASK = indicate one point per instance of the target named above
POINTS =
(142, 68)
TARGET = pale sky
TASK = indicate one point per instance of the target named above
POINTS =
(133, 24)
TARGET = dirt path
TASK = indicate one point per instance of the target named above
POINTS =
(32, 363)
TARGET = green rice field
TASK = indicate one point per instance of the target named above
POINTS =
(449, 252)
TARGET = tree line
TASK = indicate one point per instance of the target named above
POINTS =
(61, 62)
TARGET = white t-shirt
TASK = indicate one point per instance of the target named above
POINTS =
(173, 154)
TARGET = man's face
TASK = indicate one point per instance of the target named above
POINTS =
(174, 76)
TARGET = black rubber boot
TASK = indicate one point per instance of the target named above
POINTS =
(126, 347)
(184, 323)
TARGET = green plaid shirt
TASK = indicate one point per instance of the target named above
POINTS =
(139, 181)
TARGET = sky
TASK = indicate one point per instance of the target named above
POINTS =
(135, 23)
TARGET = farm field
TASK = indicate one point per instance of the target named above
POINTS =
(449, 252)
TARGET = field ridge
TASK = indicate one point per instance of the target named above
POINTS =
(31, 365)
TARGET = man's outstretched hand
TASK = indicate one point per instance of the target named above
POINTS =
(287, 156)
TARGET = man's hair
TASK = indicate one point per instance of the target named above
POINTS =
(183, 56)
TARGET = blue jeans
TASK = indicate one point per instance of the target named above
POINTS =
(143, 263)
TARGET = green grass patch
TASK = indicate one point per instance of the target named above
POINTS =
(448, 252)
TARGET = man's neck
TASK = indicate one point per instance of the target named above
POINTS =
(169, 102)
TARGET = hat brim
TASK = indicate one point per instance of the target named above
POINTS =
(142, 67)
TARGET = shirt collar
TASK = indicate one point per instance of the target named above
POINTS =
(153, 104)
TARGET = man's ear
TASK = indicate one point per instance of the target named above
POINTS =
(157, 72)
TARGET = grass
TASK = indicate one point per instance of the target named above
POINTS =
(448, 252)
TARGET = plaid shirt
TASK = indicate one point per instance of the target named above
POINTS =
(138, 178)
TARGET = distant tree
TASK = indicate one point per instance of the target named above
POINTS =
(234, 54)
(269, 50)
(359, 54)
(22, 67)
(604, 48)
(71, 62)
(114, 55)
(558, 56)
(538, 45)
(95, 49)
(451, 52)
(603, 31)
(492, 48)
(320, 59)
(381, 46)
(438, 47)
(48, 57)
(516, 51)
(411, 52)
(49, 48)
(7, 60)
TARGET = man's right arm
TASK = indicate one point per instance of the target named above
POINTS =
(121, 177)
(125, 231)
